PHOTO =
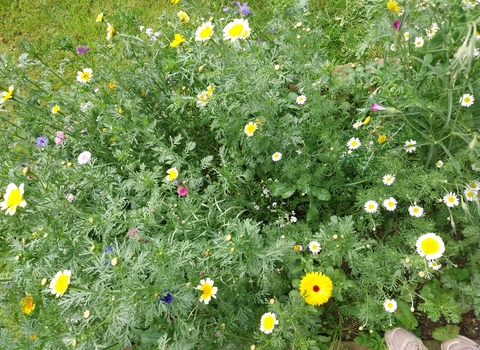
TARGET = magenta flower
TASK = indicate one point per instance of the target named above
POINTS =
(182, 190)
(396, 25)
(377, 107)
(82, 50)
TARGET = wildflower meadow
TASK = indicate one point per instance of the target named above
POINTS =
(216, 179)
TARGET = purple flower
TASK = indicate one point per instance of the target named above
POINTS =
(377, 107)
(260, 41)
(226, 9)
(42, 141)
(108, 249)
(243, 8)
(396, 25)
(182, 190)
(167, 298)
(271, 31)
(82, 50)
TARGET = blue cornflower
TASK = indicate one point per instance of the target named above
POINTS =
(167, 298)
(42, 141)
(108, 249)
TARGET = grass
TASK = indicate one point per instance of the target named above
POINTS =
(57, 23)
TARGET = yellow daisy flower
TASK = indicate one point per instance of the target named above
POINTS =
(55, 109)
(60, 282)
(99, 18)
(183, 16)
(209, 291)
(172, 174)
(13, 198)
(28, 304)
(394, 7)
(238, 29)
(110, 32)
(85, 75)
(268, 322)
(316, 288)
(177, 41)
(6, 95)
(204, 32)
(430, 246)
(250, 128)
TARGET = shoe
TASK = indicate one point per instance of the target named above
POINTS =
(460, 343)
(401, 339)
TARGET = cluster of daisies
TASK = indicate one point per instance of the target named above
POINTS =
(431, 247)
(450, 199)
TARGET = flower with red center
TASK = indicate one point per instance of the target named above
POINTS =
(316, 288)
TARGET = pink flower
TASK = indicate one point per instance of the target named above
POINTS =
(59, 137)
(396, 25)
(182, 190)
(84, 157)
(70, 197)
(377, 107)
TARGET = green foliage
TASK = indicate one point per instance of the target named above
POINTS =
(139, 244)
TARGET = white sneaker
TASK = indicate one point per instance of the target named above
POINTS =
(401, 339)
(460, 343)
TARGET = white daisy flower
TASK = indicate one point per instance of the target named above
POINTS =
(467, 100)
(354, 143)
(433, 265)
(430, 246)
(371, 206)
(410, 146)
(390, 204)
(388, 179)
(450, 199)
(419, 41)
(390, 305)
(314, 247)
(415, 211)
(301, 99)
(276, 156)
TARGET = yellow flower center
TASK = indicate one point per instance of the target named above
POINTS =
(415, 210)
(236, 30)
(391, 204)
(15, 198)
(389, 305)
(206, 33)
(251, 128)
(469, 194)
(268, 323)
(430, 246)
(85, 76)
(207, 290)
(61, 284)
(371, 206)
(466, 99)
(314, 247)
(354, 143)
(451, 199)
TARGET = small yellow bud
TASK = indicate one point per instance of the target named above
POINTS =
(86, 314)
(25, 170)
